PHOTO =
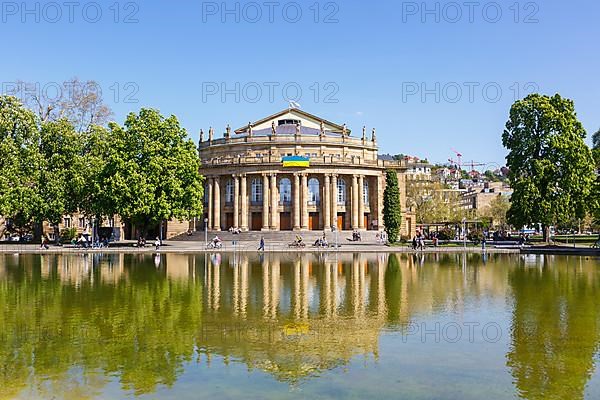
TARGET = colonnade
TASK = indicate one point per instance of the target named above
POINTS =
(244, 204)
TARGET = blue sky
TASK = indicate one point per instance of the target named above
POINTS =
(431, 77)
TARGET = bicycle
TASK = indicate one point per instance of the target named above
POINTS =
(214, 246)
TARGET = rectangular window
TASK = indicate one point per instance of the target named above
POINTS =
(67, 222)
(82, 223)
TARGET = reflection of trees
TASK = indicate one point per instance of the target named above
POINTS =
(141, 329)
(555, 329)
(70, 323)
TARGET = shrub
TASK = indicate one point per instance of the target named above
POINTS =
(68, 234)
(446, 234)
(475, 236)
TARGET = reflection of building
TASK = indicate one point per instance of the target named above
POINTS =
(297, 317)
(295, 171)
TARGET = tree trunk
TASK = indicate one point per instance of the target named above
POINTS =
(546, 230)
(37, 232)
(56, 234)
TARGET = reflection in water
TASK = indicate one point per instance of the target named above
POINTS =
(556, 328)
(73, 324)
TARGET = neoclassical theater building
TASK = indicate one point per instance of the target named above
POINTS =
(296, 171)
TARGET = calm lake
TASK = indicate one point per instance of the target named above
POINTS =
(288, 326)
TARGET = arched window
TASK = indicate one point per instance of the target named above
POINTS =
(229, 192)
(341, 189)
(257, 191)
(366, 192)
(313, 191)
(285, 191)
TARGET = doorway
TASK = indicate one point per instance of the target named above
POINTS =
(285, 221)
(341, 221)
(256, 221)
(313, 221)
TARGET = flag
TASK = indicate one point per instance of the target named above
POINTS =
(296, 161)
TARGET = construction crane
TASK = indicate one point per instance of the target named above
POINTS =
(459, 156)
(474, 164)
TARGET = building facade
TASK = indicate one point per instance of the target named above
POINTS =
(479, 198)
(295, 171)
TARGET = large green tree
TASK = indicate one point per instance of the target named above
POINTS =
(150, 171)
(63, 173)
(392, 216)
(551, 167)
(20, 164)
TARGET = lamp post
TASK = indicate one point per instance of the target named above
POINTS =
(206, 231)
(464, 229)
(335, 235)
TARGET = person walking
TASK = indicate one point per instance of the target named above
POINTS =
(157, 243)
(261, 247)
(483, 241)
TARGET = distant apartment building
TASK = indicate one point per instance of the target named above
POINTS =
(417, 169)
(480, 197)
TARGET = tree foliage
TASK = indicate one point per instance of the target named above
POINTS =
(146, 171)
(596, 148)
(392, 212)
(497, 211)
(63, 172)
(551, 169)
(432, 202)
(20, 164)
(596, 139)
(150, 171)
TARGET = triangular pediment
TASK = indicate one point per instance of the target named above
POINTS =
(285, 120)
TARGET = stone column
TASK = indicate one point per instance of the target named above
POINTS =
(354, 202)
(326, 204)
(274, 203)
(217, 204)
(236, 201)
(244, 199)
(210, 204)
(361, 202)
(334, 200)
(265, 194)
(296, 205)
(304, 202)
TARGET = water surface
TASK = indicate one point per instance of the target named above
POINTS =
(447, 326)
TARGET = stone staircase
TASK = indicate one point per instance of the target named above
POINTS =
(278, 237)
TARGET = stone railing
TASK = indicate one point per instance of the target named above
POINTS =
(314, 161)
(290, 139)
